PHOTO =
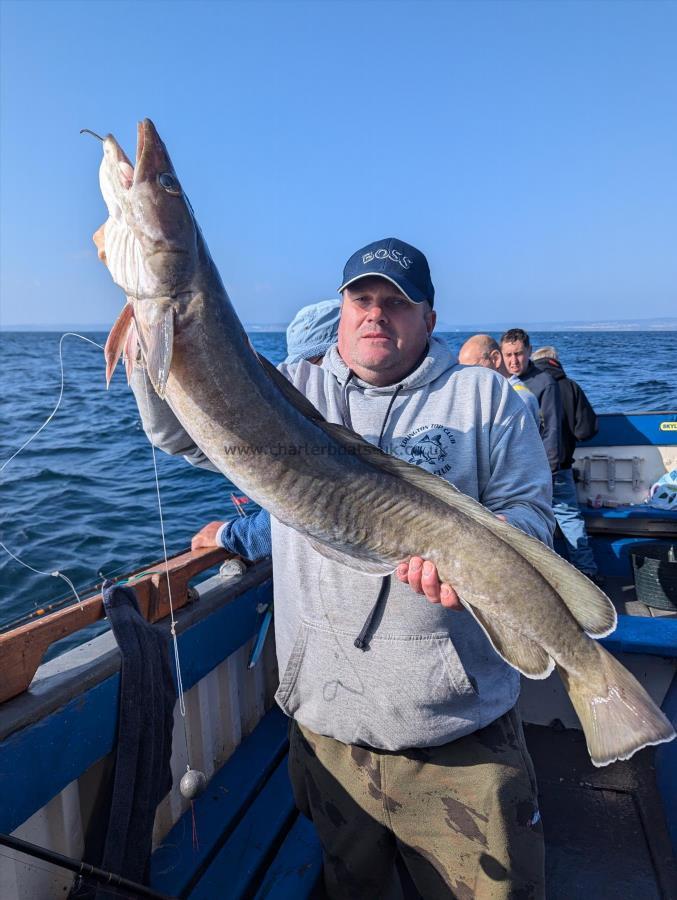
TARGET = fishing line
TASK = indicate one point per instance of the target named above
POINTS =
(56, 573)
(179, 681)
(62, 601)
(193, 781)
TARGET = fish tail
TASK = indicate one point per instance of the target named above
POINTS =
(618, 716)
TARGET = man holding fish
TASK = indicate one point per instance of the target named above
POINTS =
(457, 804)
(405, 747)
(470, 793)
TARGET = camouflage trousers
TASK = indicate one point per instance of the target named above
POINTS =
(456, 821)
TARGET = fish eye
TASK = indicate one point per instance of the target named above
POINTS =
(169, 183)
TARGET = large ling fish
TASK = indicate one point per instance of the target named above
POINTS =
(354, 503)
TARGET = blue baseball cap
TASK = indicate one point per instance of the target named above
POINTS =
(313, 330)
(397, 262)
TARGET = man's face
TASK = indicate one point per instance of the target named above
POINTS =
(516, 357)
(381, 334)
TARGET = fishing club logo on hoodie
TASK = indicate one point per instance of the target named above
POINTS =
(428, 446)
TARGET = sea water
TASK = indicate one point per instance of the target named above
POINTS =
(81, 497)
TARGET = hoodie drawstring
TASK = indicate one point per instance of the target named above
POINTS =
(385, 418)
(347, 419)
(362, 640)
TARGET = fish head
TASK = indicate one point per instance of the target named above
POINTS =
(150, 241)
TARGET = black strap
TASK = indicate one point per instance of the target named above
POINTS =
(362, 640)
(144, 745)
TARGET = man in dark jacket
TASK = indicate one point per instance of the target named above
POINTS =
(579, 423)
(516, 350)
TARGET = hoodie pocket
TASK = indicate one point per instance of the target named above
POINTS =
(291, 672)
(405, 691)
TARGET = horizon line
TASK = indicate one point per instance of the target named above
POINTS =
(658, 323)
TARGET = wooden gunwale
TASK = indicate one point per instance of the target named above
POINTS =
(23, 648)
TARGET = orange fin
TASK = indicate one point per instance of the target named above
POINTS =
(116, 339)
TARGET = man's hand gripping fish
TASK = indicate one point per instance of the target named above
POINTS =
(354, 503)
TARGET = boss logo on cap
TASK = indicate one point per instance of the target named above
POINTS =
(383, 253)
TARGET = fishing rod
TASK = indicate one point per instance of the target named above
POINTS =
(81, 868)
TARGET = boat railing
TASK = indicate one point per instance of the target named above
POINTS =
(23, 648)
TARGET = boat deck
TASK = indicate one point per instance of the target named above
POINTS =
(605, 829)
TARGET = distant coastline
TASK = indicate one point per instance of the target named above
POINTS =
(664, 323)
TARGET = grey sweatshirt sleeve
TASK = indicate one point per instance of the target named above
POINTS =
(162, 427)
(520, 485)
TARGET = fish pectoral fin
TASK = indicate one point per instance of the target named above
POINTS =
(519, 651)
(117, 338)
(359, 563)
(160, 337)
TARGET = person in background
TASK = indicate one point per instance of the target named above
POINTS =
(579, 423)
(483, 350)
(516, 349)
(312, 331)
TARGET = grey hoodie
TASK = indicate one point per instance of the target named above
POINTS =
(428, 675)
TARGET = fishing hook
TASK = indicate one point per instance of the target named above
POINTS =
(89, 131)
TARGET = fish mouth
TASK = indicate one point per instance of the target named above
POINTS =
(119, 162)
(152, 158)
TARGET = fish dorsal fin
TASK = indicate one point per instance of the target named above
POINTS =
(590, 606)
(292, 393)
(519, 651)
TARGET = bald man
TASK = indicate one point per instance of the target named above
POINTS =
(483, 350)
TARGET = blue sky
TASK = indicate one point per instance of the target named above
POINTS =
(528, 148)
